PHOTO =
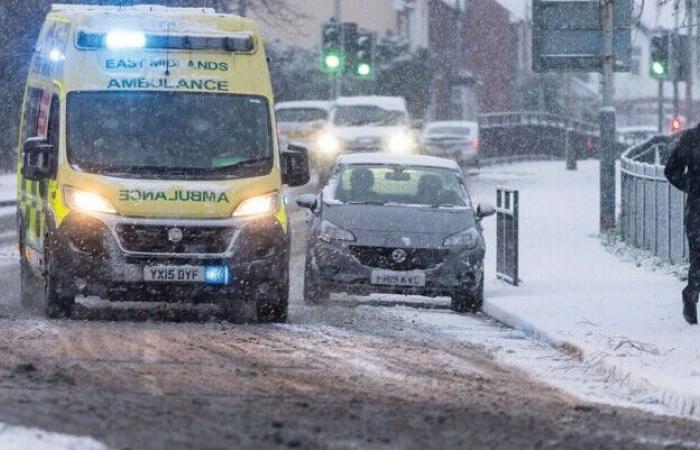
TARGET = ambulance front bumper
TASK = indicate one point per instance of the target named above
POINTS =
(108, 256)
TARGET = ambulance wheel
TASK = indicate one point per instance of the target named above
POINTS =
(30, 288)
(59, 298)
(273, 307)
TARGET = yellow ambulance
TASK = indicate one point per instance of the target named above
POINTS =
(149, 168)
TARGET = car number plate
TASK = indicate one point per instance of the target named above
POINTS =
(392, 278)
(174, 274)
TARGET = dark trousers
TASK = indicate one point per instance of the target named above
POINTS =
(692, 224)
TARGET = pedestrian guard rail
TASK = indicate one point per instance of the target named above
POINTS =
(651, 208)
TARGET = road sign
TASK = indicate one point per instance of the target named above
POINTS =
(568, 37)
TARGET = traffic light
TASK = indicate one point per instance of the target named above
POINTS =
(332, 61)
(660, 63)
(680, 57)
(363, 66)
(676, 124)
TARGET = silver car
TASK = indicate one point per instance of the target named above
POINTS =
(396, 224)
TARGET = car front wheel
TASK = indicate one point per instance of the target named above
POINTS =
(468, 301)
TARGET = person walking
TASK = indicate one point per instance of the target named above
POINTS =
(683, 171)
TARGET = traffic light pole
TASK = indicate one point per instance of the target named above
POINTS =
(338, 77)
(660, 108)
(607, 122)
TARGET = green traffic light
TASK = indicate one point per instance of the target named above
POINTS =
(364, 69)
(658, 68)
(332, 61)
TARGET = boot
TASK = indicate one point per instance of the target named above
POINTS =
(690, 308)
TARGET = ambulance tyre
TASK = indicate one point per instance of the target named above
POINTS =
(30, 288)
(59, 298)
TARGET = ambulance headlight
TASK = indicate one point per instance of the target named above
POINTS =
(125, 39)
(328, 142)
(87, 201)
(401, 142)
(261, 205)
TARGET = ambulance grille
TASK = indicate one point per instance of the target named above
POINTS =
(158, 239)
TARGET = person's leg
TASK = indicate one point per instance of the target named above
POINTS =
(691, 291)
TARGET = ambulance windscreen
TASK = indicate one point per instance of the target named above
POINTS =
(169, 134)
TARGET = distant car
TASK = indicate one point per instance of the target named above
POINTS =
(458, 140)
(635, 135)
(299, 120)
(395, 224)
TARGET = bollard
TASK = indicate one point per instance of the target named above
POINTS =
(507, 235)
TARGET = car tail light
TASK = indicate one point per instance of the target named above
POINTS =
(474, 143)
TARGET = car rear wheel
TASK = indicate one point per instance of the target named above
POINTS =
(468, 301)
(313, 293)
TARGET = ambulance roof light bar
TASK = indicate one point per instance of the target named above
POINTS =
(120, 39)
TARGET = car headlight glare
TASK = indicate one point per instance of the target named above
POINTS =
(260, 205)
(328, 142)
(87, 201)
(467, 238)
(401, 143)
(332, 232)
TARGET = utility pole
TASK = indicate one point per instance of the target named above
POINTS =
(689, 112)
(607, 122)
(675, 58)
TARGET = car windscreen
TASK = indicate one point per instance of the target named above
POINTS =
(168, 134)
(301, 115)
(449, 131)
(405, 185)
(367, 115)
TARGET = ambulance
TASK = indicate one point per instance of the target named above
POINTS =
(149, 167)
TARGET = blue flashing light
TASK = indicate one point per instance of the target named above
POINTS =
(125, 39)
(219, 275)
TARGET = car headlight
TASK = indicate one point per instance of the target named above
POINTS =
(261, 205)
(332, 232)
(87, 201)
(328, 142)
(401, 143)
(467, 238)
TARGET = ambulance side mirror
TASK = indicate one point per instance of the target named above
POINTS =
(295, 165)
(38, 161)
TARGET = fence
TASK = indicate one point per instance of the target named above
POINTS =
(652, 209)
(507, 235)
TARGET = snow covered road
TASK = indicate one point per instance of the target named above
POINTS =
(356, 374)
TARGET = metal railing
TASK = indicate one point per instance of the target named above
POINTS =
(535, 118)
(652, 209)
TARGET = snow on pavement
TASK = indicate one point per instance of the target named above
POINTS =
(20, 438)
(8, 187)
(624, 320)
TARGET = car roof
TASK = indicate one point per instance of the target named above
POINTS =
(389, 103)
(403, 160)
(452, 123)
(301, 104)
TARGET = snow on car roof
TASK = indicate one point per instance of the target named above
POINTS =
(389, 103)
(403, 160)
(301, 104)
(452, 123)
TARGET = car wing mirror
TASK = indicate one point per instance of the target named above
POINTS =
(38, 161)
(295, 165)
(308, 201)
(485, 210)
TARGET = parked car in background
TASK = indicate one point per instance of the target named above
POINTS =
(395, 224)
(635, 135)
(299, 120)
(458, 140)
